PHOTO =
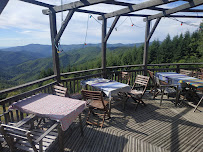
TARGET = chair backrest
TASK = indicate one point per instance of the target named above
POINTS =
(60, 91)
(141, 81)
(10, 133)
(151, 75)
(92, 96)
(200, 76)
(186, 72)
(125, 76)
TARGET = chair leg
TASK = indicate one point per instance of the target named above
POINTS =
(103, 119)
(124, 103)
(162, 94)
(88, 115)
(136, 106)
(198, 104)
(141, 101)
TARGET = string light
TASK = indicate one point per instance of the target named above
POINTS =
(184, 22)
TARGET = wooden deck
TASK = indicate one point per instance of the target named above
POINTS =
(148, 129)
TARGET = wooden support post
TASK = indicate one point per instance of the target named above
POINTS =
(104, 23)
(53, 29)
(146, 46)
(111, 28)
(153, 29)
(64, 25)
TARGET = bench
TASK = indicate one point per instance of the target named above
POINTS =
(29, 140)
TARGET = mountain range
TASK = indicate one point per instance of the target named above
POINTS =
(24, 63)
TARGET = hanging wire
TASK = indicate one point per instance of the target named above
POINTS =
(95, 19)
(121, 23)
(133, 23)
(182, 22)
(89, 16)
(61, 12)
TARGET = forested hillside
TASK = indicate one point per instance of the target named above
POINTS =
(185, 48)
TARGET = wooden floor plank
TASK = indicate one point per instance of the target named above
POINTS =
(153, 128)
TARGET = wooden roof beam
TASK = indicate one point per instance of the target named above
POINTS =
(133, 8)
(73, 5)
(64, 25)
(3, 5)
(38, 3)
(151, 8)
(190, 4)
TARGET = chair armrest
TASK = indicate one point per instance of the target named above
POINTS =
(47, 132)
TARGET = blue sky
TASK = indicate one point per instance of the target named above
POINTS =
(27, 25)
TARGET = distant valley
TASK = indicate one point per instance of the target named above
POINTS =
(23, 63)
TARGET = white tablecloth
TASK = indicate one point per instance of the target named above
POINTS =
(109, 87)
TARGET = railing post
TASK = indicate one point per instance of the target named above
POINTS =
(53, 29)
(104, 23)
(146, 46)
(177, 68)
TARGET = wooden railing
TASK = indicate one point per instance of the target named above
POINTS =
(20, 92)
(72, 80)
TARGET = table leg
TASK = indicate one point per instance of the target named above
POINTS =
(110, 107)
(81, 127)
(177, 96)
(61, 139)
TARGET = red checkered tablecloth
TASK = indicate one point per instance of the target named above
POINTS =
(62, 109)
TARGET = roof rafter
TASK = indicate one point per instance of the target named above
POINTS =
(133, 8)
(74, 5)
(190, 4)
(3, 5)
(38, 3)
(152, 8)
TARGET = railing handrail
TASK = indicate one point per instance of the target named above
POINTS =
(90, 70)
(25, 94)
(26, 85)
(125, 66)
(78, 72)
(164, 64)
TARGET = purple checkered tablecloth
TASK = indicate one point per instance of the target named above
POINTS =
(62, 109)
(180, 79)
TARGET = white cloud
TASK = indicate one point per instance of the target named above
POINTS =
(24, 23)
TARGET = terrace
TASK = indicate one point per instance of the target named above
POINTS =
(150, 128)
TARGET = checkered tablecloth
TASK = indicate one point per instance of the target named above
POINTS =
(180, 79)
(62, 109)
(109, 87)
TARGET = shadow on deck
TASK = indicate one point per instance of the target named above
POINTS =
(152, 128)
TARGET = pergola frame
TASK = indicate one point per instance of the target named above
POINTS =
(76, 7)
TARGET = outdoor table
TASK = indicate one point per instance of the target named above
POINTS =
(108, 87)
(181, 80)
(61, 109)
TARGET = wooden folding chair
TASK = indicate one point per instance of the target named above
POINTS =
(186, 72)
(154, 87)
(36, 140)
(63, 92)
(167, 89)
(141, 83)
(96, 102)
(125, 76)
